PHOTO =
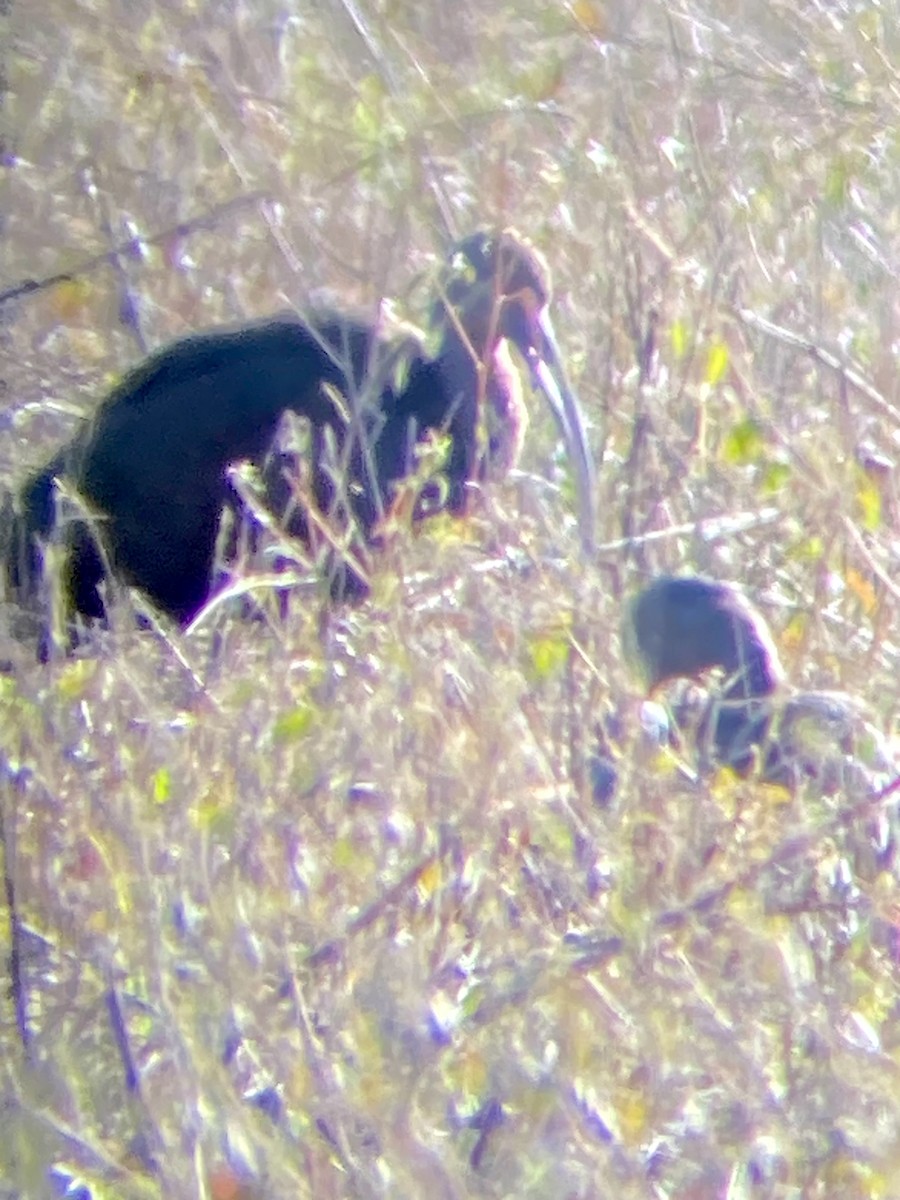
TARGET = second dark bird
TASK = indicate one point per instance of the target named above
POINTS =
(151, 466)
(684, 627)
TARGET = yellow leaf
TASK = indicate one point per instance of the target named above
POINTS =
(808, 551)
(590, 16)
(74, 679)
(70, 298)
(679, 337)
(724, 787)
(716, 363)
(549, 655)
(430, 878)
(633, 1115)
(863, 589)
(122, 885)
(868, 498)
(774, 794)
(161, 786)
(343, 854)
(472, 1073)
(665, 762)
(793, 634)
(745, 907)
(844, 1176)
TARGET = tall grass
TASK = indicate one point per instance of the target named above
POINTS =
(323, 906)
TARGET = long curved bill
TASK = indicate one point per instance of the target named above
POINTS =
(549, 377)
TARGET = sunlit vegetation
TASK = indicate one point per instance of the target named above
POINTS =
(321, 904)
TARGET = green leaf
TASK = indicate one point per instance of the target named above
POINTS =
(679, 337)
(370, 119)
(548, 655)
(213, 813)
(293, 725)
(838, 179)
(543, 80)
(744, 444)
(161, 786)
(775, 477)
(809, 551)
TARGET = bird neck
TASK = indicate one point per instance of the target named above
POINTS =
(743, 713)
(752, 664)
(483, 383)
(461, 352)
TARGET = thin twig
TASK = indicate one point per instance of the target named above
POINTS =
(795, 847)
(109, 257)
(821, 355)
(332, 949)
(707, 529)
(16, 981)
(120, 1036)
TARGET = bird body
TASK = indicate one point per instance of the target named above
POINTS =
(151, 465)
(683, 627)
(150, 468)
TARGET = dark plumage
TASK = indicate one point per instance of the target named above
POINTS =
(151, 465)
(684, 627)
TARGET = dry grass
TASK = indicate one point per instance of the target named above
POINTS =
(324, 907)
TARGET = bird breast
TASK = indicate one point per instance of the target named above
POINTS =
(506, 414)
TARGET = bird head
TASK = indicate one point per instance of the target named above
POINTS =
(496, 287)
(681, 627)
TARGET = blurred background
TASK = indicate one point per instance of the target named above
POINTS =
(328, 906)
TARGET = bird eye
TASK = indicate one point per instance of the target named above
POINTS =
(462, 267)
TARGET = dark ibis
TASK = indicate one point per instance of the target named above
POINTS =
(684, 627)
(150, 468)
